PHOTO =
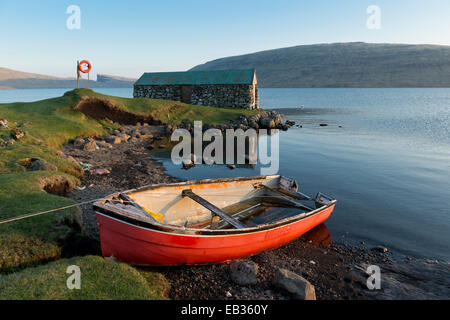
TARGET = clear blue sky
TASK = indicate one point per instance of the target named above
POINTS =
(130, 37)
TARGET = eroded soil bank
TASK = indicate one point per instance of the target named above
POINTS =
(103, 109)
(336, 270)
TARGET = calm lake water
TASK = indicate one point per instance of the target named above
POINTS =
(385, 155)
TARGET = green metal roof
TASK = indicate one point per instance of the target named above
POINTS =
(244, 76)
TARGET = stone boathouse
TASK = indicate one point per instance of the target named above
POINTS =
(222, 88)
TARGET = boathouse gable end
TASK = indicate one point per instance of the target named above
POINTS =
(222, 88)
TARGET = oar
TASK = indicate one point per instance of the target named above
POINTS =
(286, 195)
(134, 204)
(208, 205)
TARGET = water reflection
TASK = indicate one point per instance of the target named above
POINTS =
(319, 236)
(246, 149)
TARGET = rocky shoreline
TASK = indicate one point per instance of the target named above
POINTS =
(122, 161)
(266, 119)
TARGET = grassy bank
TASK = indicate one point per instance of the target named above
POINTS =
(100, 279)
(49, 124)
(35, 240)
(166, 111)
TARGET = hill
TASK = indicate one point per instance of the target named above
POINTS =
(6, 74)
(354, 64)
(107, 78)
(12, 79)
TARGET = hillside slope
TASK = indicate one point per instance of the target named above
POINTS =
(345, 65)
(32, 83)
(12, 79)
(6, 73)
(106, 78)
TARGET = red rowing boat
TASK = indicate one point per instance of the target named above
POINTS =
(207, 221)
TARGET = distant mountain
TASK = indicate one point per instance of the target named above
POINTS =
(12, 79)
(355, 64)
(6, 74)
(107, 78)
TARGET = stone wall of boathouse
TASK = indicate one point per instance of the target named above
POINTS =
(221, 96)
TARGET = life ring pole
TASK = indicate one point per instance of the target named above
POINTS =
(78, 74)
(83, 66)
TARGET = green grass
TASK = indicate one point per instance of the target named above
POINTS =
(13, 157)
(100, 279)
(166, 111)
(51, 122)
(158, 284)
(34, 240)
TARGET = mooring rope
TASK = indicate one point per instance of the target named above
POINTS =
(34, 214)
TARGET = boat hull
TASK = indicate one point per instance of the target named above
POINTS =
(139, 245)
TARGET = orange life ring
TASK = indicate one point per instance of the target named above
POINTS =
(89, 66)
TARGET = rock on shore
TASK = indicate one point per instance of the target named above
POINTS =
(266, 119)
(296, 285)
(3, 124)
(244, 272)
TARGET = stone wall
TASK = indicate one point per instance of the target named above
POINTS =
(158, 92)
(222, 96)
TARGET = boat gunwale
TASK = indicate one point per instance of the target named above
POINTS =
(193, 182)
(122, 215)
(211, 232)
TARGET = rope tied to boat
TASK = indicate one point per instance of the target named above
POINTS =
(34, 214)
